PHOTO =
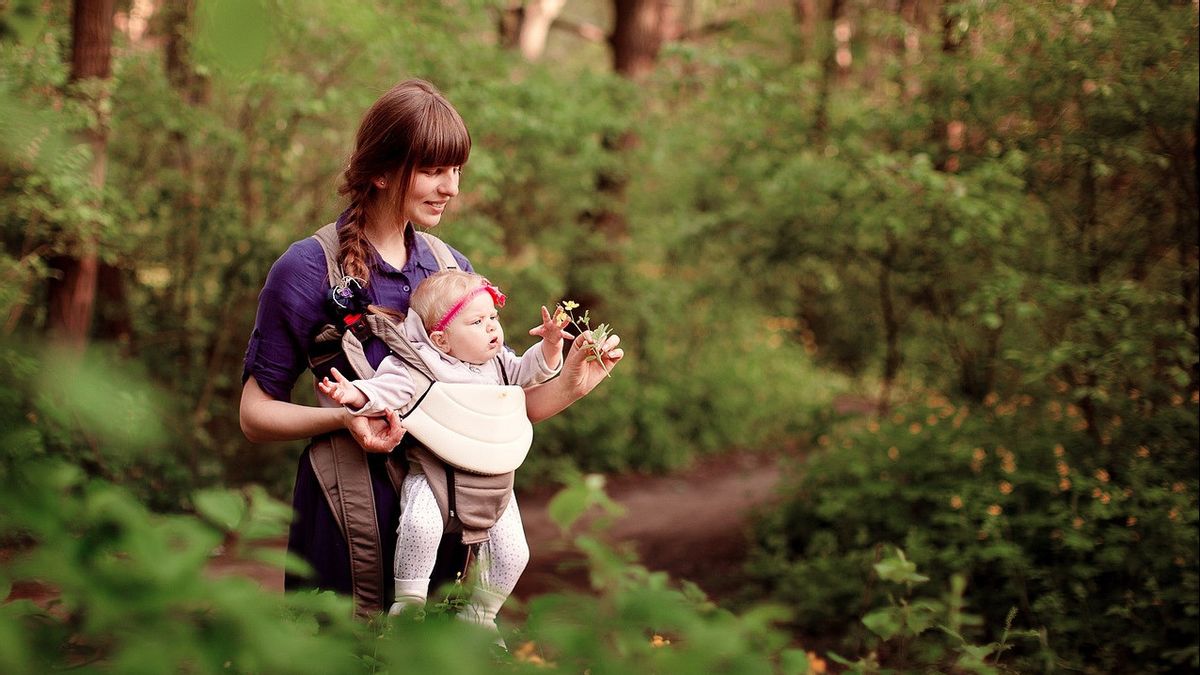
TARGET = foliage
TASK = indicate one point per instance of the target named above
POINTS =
(218, 160)
(926, 633)
(987, 198)
(97, 412)
(118, 588)
(1097, 546)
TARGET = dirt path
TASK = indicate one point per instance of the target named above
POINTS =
(691, 524)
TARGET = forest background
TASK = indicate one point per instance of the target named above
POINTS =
(976, 221)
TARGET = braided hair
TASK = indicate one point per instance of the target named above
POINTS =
(410, 127)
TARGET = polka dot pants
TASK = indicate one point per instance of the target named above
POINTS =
(501, 559)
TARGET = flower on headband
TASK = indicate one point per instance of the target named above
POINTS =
(497, 296)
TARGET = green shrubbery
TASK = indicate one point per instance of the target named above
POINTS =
(1096, 545)
(128, 592)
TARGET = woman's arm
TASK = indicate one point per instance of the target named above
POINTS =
(579, 376)
(266, 419)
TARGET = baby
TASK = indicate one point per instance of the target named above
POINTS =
(455, 329)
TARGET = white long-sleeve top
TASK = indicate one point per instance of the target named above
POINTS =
(392, 386)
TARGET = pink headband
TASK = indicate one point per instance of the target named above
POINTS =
(497, 298)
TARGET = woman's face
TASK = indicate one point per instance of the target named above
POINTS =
(430, 191)
(474, 334)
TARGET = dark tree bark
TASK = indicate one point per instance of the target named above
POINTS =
(640, 29)
(805, 13)
(73, 290)
(948, 133)
(178, 17)
(829, 68)
(891, 323)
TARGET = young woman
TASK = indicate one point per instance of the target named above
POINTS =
(406, 165)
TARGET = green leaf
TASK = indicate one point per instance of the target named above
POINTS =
(899, 570)
(223, 508)
(886, 623)
(568, 505)
(794, 662)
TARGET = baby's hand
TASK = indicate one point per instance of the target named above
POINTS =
(342, 391)
(552, 329)
(552, 333)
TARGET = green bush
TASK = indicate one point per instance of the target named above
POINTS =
(1095, 545)
(130, 593)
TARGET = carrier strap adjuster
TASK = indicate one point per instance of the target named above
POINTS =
(357, 324)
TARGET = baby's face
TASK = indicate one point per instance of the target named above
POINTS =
(474, 334)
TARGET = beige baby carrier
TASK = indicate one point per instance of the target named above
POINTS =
(469, 438)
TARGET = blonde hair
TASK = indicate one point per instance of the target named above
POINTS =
(410, 127)
(440, 291)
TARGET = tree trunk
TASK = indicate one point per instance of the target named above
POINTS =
(533, 28)
(948, 133)
(191, 85)
(73, 293)
(829, 70)
(891, 324)
(639, 31)
(805, 13)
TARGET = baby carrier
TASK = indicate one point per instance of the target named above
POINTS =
(466, 438)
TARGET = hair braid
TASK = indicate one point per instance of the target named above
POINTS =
(352, 240)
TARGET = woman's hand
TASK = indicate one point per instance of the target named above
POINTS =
(582, 375)
(376, 434)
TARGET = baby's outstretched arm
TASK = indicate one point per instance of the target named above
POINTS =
(552, 334)
(342, 390)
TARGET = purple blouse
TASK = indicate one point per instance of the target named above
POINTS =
(292, 309)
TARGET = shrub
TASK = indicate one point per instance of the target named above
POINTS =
(1095, 544)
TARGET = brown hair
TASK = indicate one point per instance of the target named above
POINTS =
(439, 291)
(411, 126)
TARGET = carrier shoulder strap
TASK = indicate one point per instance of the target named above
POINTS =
(328, 238)
(340, 465)
(441, 251)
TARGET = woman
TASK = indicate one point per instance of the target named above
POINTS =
(405, 169)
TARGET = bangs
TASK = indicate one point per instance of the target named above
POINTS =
(443, 139)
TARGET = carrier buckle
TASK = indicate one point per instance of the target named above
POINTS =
(357, 324)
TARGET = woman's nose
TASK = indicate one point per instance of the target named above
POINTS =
(449, 185)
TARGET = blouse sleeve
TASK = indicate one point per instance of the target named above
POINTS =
(290, 310)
